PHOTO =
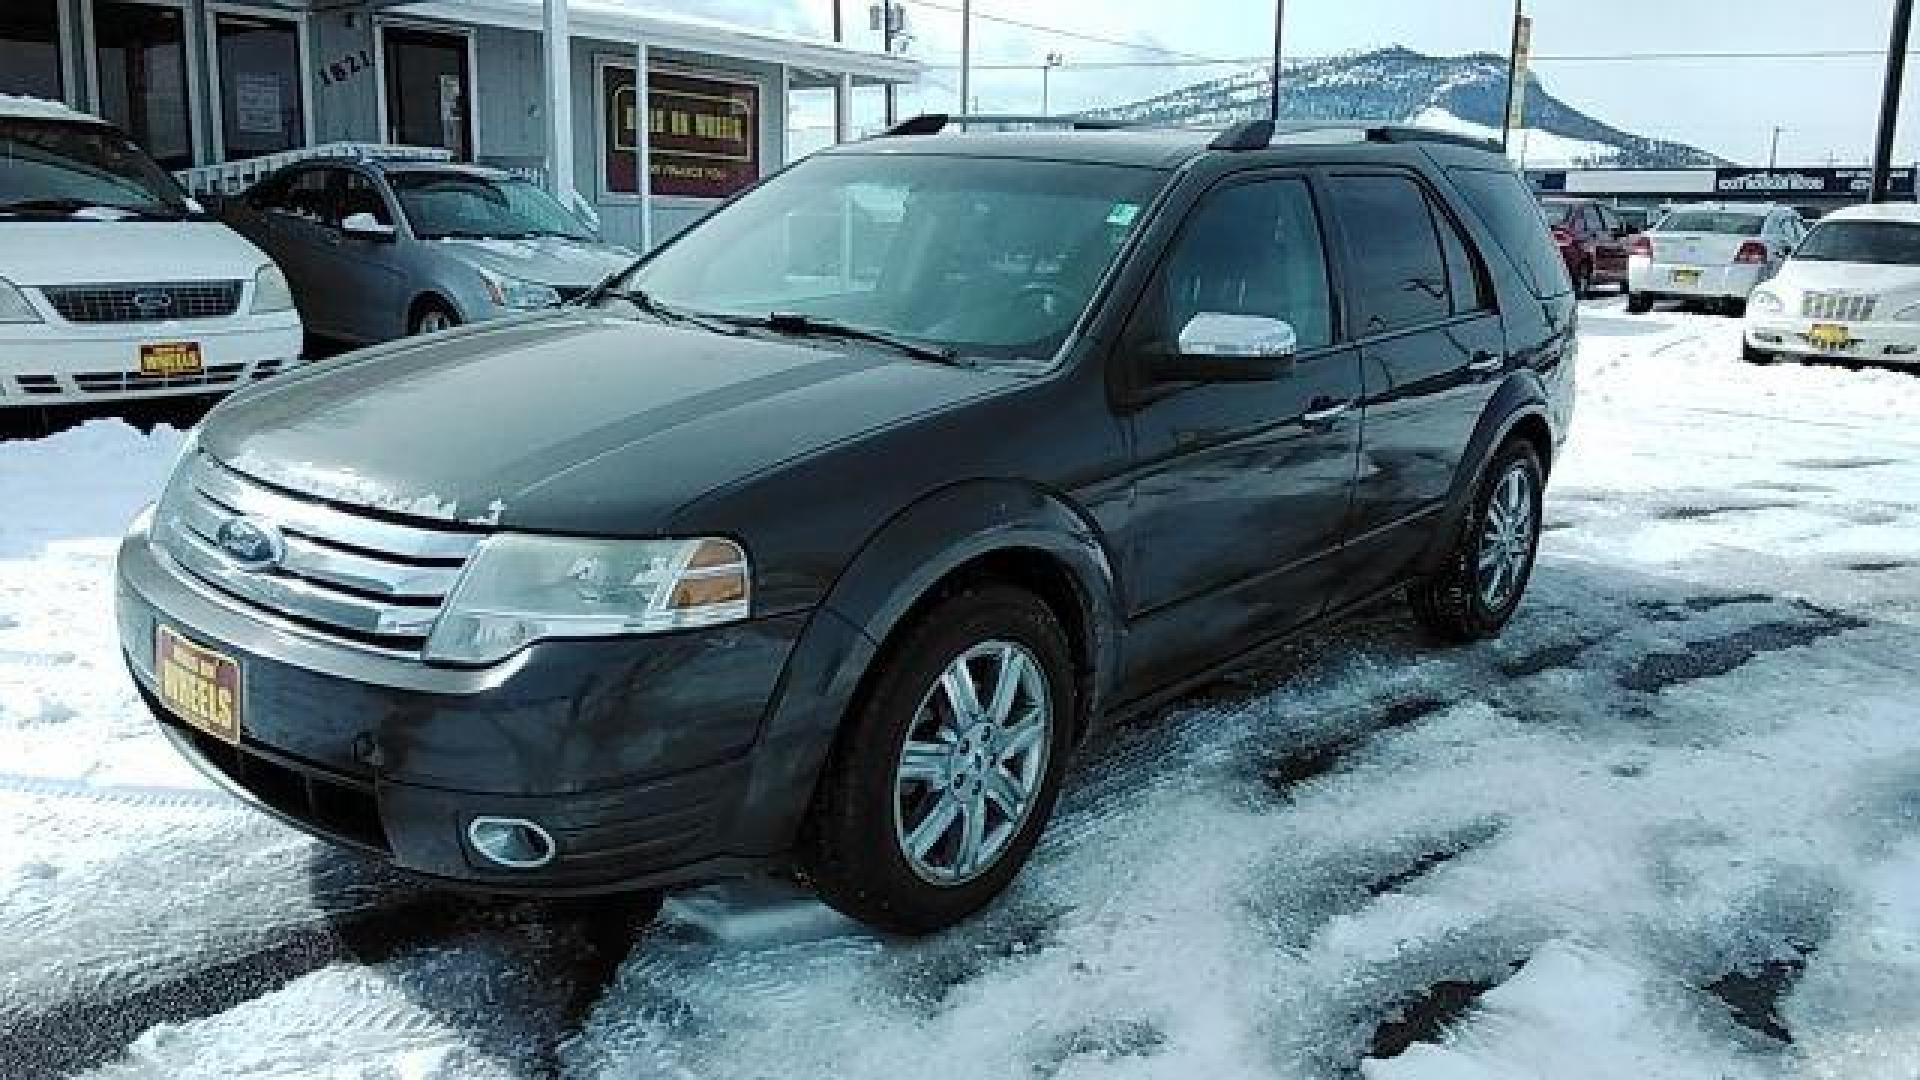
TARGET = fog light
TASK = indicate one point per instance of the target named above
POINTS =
(515, 843)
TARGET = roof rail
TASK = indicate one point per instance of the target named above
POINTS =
(935, 123)
(1261, 134)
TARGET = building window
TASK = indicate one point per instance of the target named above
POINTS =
(144, 88)
(703, 134)
(30, 49)
(262, 106)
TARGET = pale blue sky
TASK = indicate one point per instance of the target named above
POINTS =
(1827, 106)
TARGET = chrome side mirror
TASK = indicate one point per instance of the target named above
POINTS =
(1240, 337)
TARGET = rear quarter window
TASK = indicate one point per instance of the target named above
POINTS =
(1509, 211)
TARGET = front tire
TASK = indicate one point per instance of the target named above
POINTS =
(1755, 356)
(432, 317)
(946, 772)
(1486, 573)
(1638, 303)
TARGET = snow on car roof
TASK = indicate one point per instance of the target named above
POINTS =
(1902, 212)
(12, 105)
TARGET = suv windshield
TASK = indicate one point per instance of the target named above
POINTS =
(1713, 221)
(440, 205)
(1890, 243)
(57, 168)
(992, 258)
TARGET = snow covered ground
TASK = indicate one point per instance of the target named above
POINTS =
(1669, 826)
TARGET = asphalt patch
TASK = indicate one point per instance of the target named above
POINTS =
(1288, 770)
(1713, 657)
(1426, 1017)
(1752, 995)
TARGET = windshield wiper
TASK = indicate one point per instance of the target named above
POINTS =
(792, 322)
(645, 301)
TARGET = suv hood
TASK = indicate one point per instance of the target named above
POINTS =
(86, 252)
(575, 421)
(547, 260)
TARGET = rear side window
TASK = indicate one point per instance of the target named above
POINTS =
(1397, 272)
(1509, 212)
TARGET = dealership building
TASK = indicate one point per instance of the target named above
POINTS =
(219, 91)
(1814, 191)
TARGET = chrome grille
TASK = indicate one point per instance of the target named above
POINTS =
(122, 382)
(1845, 307)
(144, 303)
(352, 575)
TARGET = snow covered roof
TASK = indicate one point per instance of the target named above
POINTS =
(40, 109)
(620, 20)
(1907, 213)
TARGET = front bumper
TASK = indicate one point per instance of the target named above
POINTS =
(56, 363)
(1674, 281)
(636, 755)
(1878, 342)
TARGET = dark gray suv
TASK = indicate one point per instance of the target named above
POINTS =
(822, 537)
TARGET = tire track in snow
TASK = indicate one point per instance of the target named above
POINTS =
(136, 795)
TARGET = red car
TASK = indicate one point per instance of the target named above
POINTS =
(1592, 239)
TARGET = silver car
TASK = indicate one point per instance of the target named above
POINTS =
(377, 250)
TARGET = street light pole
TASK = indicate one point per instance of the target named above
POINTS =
(1890, 98)
(966, 53)
(1053, 60)
(1273, 79)
(1513, 74)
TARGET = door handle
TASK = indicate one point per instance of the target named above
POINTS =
(1486, 363)
(1327, 414)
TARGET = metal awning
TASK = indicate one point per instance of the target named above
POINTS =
(614, 20)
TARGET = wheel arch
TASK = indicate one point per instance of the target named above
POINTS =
(1519, 410)
(977, 532)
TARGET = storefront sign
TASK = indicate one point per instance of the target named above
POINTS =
(704, 134)
(1787, 182)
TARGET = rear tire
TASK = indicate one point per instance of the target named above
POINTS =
(945, 773)
(1638, 303)
(1485, 575)
(1734, 308)
(1755, 356)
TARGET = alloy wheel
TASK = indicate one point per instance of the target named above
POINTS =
(1506, 538)
(973, 763)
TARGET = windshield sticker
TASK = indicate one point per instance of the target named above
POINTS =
(1123, 214)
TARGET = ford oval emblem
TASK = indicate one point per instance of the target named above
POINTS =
(250, 543)
(152, 302)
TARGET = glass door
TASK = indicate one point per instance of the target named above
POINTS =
(428, 89)
(262, 107)
(144, 86)
(30, 49)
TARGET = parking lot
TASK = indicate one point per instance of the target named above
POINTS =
(1664, 827)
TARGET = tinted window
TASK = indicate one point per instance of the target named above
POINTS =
(1508, 210)
(1397, 275)
(1726, 223)
(30, 48)
(1249, 249)
(1464, 277)
(1890, 243)
(306, 195)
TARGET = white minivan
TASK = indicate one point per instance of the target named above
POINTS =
(113, 284)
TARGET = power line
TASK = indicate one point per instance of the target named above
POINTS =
(1075, 34)
(1113, 65)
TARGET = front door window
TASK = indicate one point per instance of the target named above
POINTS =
(30, 49)
(142, 52)
(427, 90)
(261, 101)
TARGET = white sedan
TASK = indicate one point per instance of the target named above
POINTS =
(1710, 253)
(1851, 292)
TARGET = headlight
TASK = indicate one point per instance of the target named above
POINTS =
(521, 589)
(13, 305)
(271, 293)
(1767, 302)
(521, 295)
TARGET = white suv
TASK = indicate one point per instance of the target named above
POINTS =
(1851, 292)
(115, 285)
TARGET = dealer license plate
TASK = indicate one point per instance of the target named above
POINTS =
(1686, 277)
(199, 685)
(1829, 336)
(171, 358)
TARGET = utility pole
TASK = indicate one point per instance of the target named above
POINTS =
(1513, 72)
(1773, 152)
(966, 55)
(1890, 98)
(1273, 79)
(1053, 60)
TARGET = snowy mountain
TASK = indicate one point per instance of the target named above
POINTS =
(1465, 93)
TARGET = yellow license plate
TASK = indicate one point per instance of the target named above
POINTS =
(1829, 336)
(171, 358)
(200, 686)
(1686, 277)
